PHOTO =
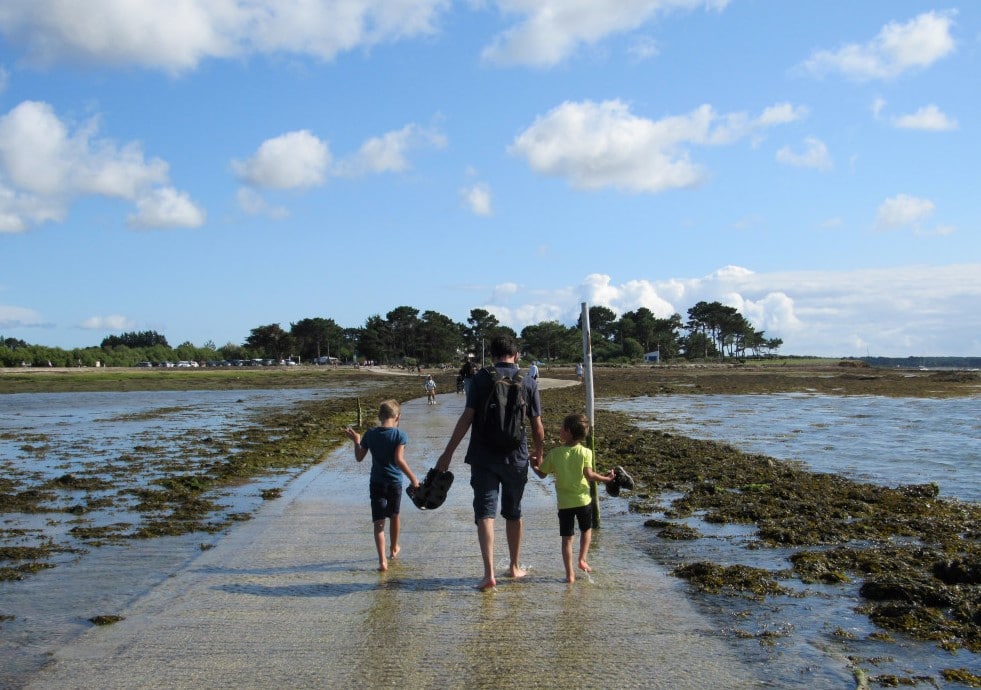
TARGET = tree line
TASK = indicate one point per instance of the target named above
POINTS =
(409, 337)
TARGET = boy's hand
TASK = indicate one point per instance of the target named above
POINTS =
(352, 434)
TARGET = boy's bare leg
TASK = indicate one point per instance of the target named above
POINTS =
(570, 573)
(485, 535)
(395, 526)
(380, 544)
(584, 540)
(514, 548)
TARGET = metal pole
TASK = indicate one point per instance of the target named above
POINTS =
(587, 356)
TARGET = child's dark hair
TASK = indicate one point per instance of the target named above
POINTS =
(577, 425)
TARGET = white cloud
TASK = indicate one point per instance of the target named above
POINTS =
(45, 166)
(888, 312)
(176, 36)
(896, 49)
(115, 322)
(552, 30)
(477, 197)
(253, 204)
(166, 208)
(901, 211)
(295, 160)
(928, 118)
(597, 145)
(878, 105)
(388, 153)
(19, 317)
(815, 155)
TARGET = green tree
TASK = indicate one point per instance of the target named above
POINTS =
(375, 340)
(317, 337)
(440, 339)
(269, 341)
(550, 340)
(404, 324)
(477, 333)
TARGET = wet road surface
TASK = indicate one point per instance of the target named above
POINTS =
(293, 599)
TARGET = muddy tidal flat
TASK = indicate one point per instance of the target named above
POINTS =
(914, 556)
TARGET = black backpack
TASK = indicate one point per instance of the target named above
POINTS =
(501, 416)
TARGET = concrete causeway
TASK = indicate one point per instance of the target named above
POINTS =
(292, 599)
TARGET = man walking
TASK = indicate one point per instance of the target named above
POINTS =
(496, 474)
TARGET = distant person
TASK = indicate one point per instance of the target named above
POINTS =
(533, 371)
(431, 390)
(386, 443)
(579, 371)
(497, 475)
(467, 372)
(572, 465)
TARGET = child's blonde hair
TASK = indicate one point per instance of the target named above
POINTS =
(577, 425)
(389, 409)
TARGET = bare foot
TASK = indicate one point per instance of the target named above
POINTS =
(571, 578)
(584, 566)
(517, 571)
(395, 551)
(382, 567)
(485, 585)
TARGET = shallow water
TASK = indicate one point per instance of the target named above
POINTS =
(885, 441)
(801, 642)
(126, 439)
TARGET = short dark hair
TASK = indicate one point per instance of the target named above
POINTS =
(577, 425)
(503, 346)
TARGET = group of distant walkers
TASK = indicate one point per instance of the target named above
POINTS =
(503, 408)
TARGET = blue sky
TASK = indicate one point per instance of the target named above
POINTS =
(203, 167)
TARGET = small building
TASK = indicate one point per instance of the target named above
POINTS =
(654, 357)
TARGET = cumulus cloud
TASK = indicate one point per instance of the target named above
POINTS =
(477, 198)
(114, 322)
(552, 30)
(888, 312)
(815, 155)
(166, 207)
(177, 36)
(902, 211)
(929, 118)
(300, 160)
(598, 145)
(895, 50)
(389, 152)
(295, 160)
(45, 166)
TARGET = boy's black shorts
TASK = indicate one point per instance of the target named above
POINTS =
(386, 499)
(569, 516)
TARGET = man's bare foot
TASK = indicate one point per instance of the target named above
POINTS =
(584, 566)
(383, 566)
(395, 551)
(516, 571)
(570, 578)
(485, 585)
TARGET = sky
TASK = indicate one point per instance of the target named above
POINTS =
(200, 168)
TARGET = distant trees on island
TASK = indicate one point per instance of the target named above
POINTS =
(407, 336)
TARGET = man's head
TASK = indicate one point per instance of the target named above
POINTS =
(503, 347)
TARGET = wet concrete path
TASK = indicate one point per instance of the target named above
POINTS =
(292, 599)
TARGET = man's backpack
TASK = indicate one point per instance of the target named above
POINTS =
(501, 417)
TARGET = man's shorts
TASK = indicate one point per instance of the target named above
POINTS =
(568, 517)
(386, 500)
(491, 481)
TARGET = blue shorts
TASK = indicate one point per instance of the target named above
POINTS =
(497, 480)
(386, 499)
(568, 517)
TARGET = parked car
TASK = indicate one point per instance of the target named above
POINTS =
(146, 365)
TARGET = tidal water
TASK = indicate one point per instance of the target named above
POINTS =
(885, 441)
(802, 641)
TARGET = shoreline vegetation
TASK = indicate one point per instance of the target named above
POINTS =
(916, 555)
